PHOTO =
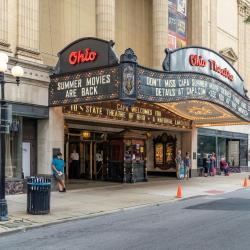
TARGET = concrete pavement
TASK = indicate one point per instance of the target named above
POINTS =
(97, 198)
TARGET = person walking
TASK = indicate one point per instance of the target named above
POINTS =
(74, 157)
(205, 164)
(224, 166)
(187, 165)
(213, 164)
(58, 171)
(178, 163)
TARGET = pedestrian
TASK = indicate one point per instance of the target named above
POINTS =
(178, 164)
(213, 164)
(187, 165)
(99, 162)
(58, 171)
(224, 166)
(74, 157)
(205, 164)
(209, 164)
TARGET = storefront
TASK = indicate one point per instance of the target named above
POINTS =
(137, 118)
(232, 146)
(121, 134)
(21, 143)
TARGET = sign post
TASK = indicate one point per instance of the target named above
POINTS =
(3, 202)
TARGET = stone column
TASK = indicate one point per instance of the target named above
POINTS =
(198, 31)
(241, 37)
(4, 45)
(194, 148)
(160, 32)
(50, 134)
(213, 25)
(247, 52)
(105, 19)
(244, 44)
(28, 29)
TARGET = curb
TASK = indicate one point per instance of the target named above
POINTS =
(89, 216)
(101, 213)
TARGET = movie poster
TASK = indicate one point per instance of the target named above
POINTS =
(159, 153)
(177, 24)
(182, 7)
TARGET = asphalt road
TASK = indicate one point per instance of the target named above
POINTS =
(216, 223)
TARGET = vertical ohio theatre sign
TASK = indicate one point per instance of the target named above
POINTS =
(89, 71)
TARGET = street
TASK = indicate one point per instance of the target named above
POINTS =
(207, 222)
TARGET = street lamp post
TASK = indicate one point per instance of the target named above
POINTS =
(17, 72)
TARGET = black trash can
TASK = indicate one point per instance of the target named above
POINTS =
(38, 195)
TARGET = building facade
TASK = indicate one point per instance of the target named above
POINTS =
(32, 32)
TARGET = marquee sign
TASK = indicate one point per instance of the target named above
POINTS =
(204, 61)
(83, 87)
(138, 113)
(155, 86)
(88, 72)
(86, 53)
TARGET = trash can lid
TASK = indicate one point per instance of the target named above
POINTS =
(39, 183)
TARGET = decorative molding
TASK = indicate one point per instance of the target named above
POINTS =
(229, 55)
(129, 56)
(28, 53)
(243, 8)
(5, 46)
(35, 74)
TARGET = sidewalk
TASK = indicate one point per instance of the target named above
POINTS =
(98, 199)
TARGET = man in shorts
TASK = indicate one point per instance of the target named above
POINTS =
(58, 171)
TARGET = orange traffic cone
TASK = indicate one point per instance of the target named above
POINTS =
(245, 182)
(179, 194)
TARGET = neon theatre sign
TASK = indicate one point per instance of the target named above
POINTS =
(81, 56)
(199, 61)
(206, 62)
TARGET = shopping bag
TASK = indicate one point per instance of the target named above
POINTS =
(214, 171)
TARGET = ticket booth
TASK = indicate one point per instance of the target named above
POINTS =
(127, 162)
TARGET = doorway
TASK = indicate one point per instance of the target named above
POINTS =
(85, 158)
(26, 159)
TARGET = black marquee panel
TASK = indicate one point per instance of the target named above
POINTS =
(90, 86)
(156, 86)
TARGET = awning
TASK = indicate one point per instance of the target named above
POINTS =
(197, 84)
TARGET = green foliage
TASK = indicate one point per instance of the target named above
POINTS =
(247, 20)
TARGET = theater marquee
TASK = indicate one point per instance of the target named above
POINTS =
(95, 85)
(168, 87)
(138, 113)
(88, 72)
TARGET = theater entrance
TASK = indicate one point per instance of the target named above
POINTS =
(85, 155)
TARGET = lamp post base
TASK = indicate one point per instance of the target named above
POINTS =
(3, 210)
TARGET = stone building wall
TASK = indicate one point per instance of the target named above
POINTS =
(32, 32)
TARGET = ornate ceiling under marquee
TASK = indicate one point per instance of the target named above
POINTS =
(202, 113)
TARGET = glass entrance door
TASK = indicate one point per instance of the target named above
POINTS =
(81, 160)
(88, 163)
(85, 158)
